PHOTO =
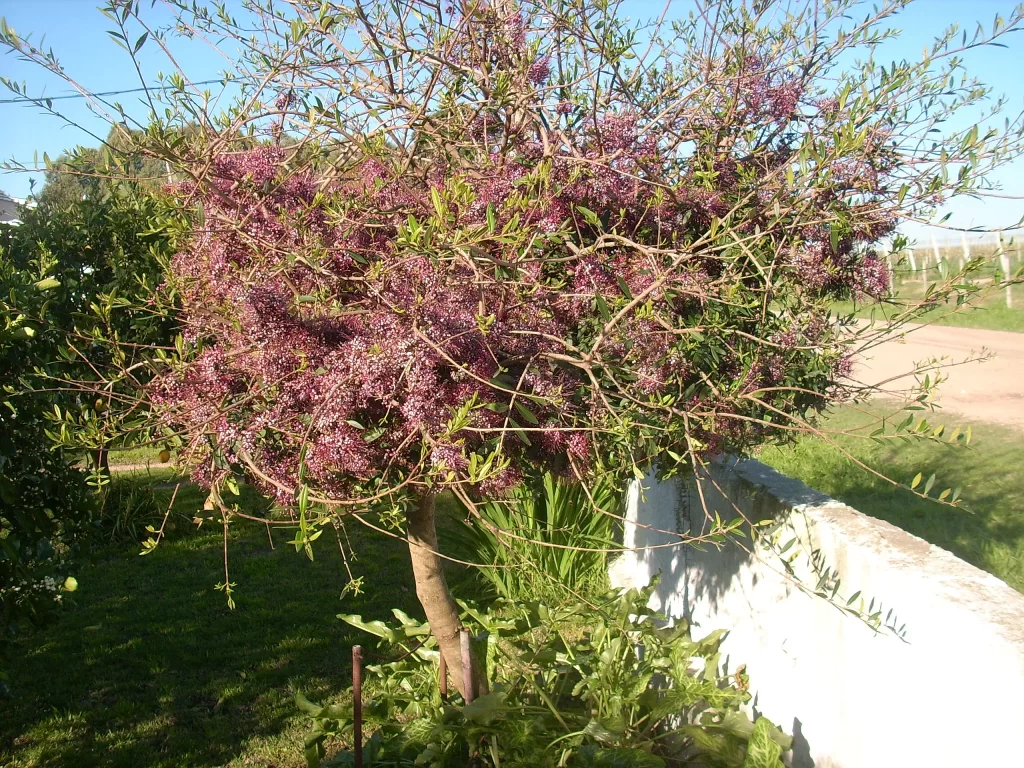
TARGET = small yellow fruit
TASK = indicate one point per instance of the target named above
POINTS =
(101, 406)
(70, 584)
(165, 456)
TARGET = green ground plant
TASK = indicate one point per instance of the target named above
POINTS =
(547, 540)
(604, 684)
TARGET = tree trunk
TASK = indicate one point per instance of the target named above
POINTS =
(432, 589)
(101, 460)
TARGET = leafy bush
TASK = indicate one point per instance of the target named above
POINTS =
(128, 508)
(544, 539)
(44, 501)
(67, 274)
(568, 687)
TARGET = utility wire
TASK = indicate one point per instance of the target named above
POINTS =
(101, 93)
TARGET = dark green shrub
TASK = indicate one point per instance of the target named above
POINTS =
(44, 502)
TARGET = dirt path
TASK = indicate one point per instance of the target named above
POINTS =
(992, 390)
(154, 465)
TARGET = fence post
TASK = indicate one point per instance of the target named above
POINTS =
(357, 704)
(965, 254)
(1004, 263)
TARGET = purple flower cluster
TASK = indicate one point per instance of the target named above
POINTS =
(539, 71)
(338, 324)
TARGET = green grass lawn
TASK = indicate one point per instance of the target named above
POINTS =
(987, 532)
(991, 314)
(146, 665)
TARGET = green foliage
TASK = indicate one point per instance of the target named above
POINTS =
(99, 257)
(572, 686)
(44, 502)
(65, 275)
(544, 540)
(90, 173)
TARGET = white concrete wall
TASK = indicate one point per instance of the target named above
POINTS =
(949, 693)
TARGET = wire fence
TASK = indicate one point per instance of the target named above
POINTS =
(930, 257)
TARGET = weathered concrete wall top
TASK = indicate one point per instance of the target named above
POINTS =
(911, 658)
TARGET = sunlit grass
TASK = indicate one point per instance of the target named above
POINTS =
(147, 666)
(987, 532)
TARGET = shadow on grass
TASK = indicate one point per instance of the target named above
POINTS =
(148, 667)
(987, 531)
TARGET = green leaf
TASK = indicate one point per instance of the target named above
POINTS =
(305, 705)
(624, 287)
(916, 481)
(928, 485)
(590, 217)
(601, 733)
(762, 750)
(47, 284)
(485, 709)
(526, 413)
(378, 628)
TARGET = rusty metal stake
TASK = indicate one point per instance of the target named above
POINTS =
(442, 679)
(467, 666)
(357, 703)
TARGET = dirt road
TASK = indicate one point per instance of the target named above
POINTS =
(992, 390)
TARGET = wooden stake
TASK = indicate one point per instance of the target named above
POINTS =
(467, 665)
(442, 678)
(357, 704)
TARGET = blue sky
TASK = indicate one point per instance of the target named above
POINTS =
(77, 33)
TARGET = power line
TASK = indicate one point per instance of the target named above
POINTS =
(27, 100)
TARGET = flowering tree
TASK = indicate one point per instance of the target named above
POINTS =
(439, 246)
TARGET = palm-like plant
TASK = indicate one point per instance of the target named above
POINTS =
(546, 539)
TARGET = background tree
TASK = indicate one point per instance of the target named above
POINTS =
(44, 500)
(102, 243)
(77, 271)
(553, 239)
